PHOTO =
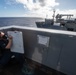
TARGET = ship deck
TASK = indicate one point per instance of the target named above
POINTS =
(14, 68)
(32, 68)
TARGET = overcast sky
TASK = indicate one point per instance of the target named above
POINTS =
(36, 8)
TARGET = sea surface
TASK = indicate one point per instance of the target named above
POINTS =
(19, 21)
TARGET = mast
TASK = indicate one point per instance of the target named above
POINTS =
(53, 14)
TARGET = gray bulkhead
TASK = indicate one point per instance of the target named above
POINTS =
(59, 53)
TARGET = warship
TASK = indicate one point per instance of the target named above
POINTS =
(46, 52)
(58, 22)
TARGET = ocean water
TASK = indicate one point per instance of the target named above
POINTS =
(19, 21)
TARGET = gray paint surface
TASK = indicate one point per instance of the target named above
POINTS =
(68, 56)
(61, 53)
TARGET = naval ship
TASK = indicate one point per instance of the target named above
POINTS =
(46, 52)
(58, 22)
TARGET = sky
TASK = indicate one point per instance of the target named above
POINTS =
(36, 8)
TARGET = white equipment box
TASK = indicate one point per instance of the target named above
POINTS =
(17, 45)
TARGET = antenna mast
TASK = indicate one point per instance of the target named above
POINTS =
(53, 14)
